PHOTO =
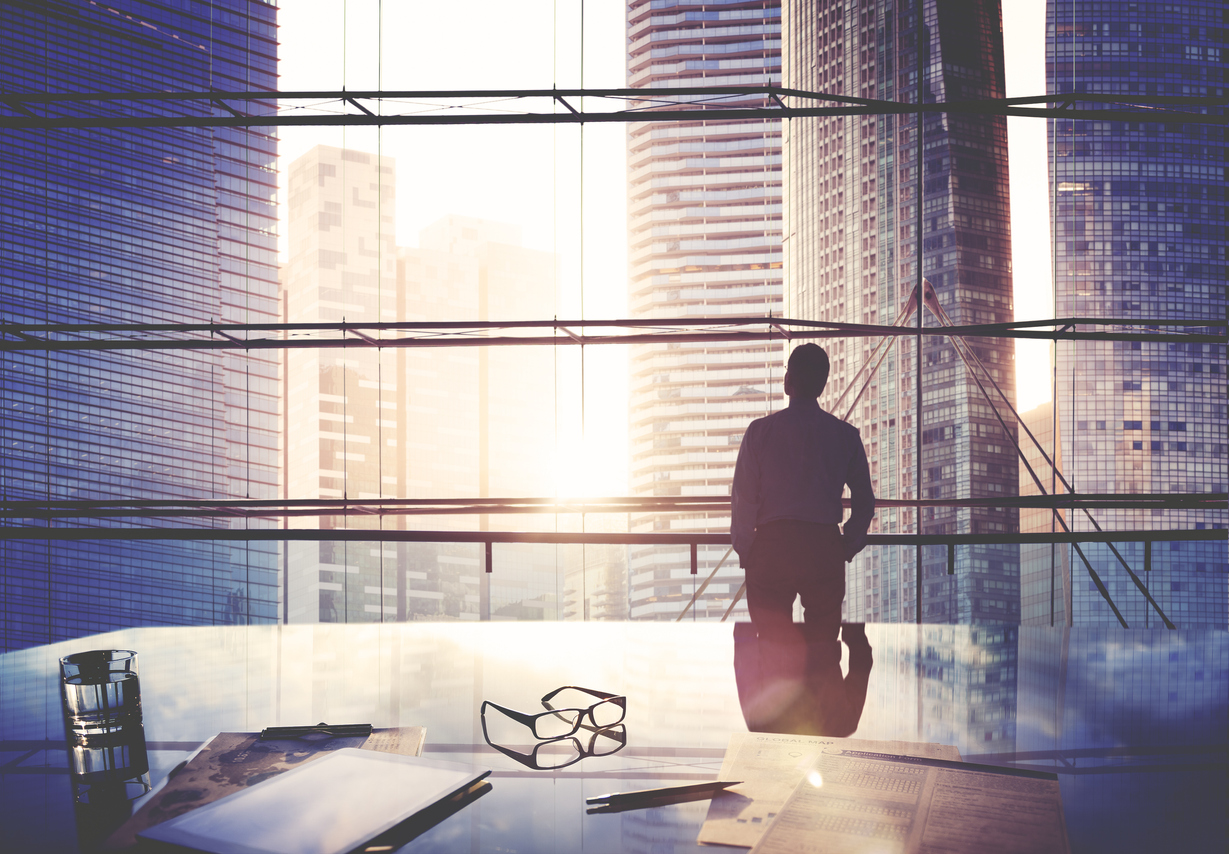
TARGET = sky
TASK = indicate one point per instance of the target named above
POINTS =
(566, 186)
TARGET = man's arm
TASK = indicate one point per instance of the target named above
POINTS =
(745, 497)
(862, 500)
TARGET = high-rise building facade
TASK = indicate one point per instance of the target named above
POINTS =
(704, 225)
(341, 406)
(173, 225)
(1045, 568)
(481, 421)
(1139, 216)
(851, 186)
(407, 422)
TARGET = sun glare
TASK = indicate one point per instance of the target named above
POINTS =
(591, 468)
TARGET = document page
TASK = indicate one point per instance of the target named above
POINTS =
(771, 765)
(912, 805)
(1006, 814)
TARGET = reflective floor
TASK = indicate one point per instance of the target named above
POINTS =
(1136, 723)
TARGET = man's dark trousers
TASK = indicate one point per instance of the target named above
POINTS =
(790, 558)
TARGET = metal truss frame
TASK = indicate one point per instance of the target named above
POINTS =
(76, 337)
(396, 535)
(322, 108)
(294, 336)
(116, 110)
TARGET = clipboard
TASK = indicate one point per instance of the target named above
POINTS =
(329, 806)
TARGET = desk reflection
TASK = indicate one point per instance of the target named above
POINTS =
(795, 685)
(1133, 721)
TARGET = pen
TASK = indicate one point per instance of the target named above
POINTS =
(615, 798)
(329, 730)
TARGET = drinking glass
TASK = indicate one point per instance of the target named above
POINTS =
(101, 694)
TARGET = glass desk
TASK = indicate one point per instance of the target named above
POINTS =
(1136, 723)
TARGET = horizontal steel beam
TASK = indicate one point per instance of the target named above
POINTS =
(632, 94)
(620, 322)
(21, 337)
(650, 105)
(292, 508)
(727, 114)
(568, 538)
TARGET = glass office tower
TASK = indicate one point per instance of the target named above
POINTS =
(704, 226)
(137, 226)
(1045, 568)
(851, 248)
(412, 422)
(1139, 210)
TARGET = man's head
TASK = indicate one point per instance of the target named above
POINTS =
(806, 373)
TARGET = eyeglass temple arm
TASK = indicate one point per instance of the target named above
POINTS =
(603, 695)
(519, 717)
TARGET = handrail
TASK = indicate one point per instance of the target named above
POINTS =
(271, 508)
(572, 538)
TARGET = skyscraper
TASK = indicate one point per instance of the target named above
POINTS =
(1045, 568)
(851, 249)
(171, 225)
(704, 224)
(1139, 210)
(341, 406)
(422, 423)
(482, 423)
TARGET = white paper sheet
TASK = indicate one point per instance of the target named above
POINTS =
(771, 765)
(854, 801)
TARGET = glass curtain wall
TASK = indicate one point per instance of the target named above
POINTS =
(362, 224)
(160, 225)
(1139, 212)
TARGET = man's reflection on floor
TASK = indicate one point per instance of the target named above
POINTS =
(794, 684)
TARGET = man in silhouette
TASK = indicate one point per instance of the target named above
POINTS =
(792, 469)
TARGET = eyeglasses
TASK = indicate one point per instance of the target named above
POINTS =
(561, 752)
(608, 711)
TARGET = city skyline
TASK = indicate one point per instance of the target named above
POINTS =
(411, 423)
(592, 274)
(202, 245)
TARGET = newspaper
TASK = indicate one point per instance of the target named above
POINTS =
(853, 801)
(770, 766)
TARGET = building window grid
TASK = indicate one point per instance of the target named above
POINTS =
(1139, 233)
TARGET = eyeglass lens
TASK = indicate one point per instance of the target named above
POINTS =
(607, 713)
(556, 724)
(555, 754)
